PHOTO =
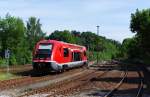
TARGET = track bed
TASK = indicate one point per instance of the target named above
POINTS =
(105, 80)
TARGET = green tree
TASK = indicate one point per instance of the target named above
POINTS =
(34, 32)
(92, 41)
(130, 48)
(65, 36)
(12, 32)
(77, 37)
(105, 48)
(140, 24)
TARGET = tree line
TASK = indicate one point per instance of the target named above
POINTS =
(20, 38)
(106, 49)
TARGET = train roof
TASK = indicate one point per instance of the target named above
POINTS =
(60, 42)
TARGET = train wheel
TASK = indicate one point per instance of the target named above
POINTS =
(58, 72)
(65, 67)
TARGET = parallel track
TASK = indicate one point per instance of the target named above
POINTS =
(26, 80)
(70, 85)
(67, 86)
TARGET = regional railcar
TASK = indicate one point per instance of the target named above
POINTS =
(55, 55)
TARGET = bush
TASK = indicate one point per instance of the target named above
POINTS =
(2, 62)
(12, 60)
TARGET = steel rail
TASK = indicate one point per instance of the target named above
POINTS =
(111, 92)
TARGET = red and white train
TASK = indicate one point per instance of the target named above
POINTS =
(56, 55)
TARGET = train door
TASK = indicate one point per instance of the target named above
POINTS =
(84, 55)
(76, 56)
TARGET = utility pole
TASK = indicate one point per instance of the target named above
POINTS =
(97, 41)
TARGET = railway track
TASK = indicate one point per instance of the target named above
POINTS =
(141, 85)
(30, 77)
(111, 92)
(74, 84)
(119, 84)
(68, 86)
(27, 80)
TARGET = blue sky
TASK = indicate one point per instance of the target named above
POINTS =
(113, 16)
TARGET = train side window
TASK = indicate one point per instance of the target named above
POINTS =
(66, 52)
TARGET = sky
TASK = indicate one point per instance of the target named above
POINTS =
(113, 16)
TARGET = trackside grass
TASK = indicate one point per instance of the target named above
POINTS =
(7, 76)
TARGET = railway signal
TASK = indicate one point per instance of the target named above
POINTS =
(7, 54)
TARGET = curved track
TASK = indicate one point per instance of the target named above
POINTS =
(109, 94)
(119, 84)
(141, 85)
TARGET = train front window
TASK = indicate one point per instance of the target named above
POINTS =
(45, 46)
(44, 51)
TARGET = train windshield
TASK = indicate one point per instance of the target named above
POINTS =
(44, 51)
(45, 46)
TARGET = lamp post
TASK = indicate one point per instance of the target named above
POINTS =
(97, 41)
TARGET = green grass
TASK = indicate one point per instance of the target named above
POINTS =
(7, 76)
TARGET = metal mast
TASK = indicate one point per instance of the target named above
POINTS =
(97, 41)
